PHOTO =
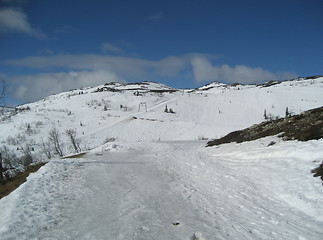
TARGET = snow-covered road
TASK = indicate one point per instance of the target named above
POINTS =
(127, 196)
(171, 190)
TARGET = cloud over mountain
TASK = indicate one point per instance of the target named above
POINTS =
(204, 71)
(83, 70)
(33, 87)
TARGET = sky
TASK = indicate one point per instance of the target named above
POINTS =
(50, 46)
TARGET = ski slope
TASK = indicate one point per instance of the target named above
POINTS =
(157, 180)
(199, 113)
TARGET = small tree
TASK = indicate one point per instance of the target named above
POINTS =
(287, 112)
(265, 114)
(75, 142)
(54, 138)
(166, 109)
(28, 129)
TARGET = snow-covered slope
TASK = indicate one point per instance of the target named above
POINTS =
(114, 111)
(156, 180)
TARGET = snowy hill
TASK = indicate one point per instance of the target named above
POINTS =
(119, 111)
(153, 170)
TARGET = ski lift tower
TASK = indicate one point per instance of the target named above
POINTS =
(142, 104)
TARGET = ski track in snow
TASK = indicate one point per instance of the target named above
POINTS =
(229, 195)
(132, 115)
(150, 184)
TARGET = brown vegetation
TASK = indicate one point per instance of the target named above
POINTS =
(11, 185)
(78, 155)
(303, 127)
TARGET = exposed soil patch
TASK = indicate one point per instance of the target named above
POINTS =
(11, 185)
(303, 127)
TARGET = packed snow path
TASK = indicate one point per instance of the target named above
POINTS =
(171, 190)
(128, 197)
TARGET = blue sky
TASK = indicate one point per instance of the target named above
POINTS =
(52, 46)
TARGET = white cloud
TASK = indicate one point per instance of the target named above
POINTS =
(111, 48)
(122, 66)
(169, 66)
(86, 70)
(15, 20)
(204, 71)
(34, 87)
(244, 74)
(104, 68)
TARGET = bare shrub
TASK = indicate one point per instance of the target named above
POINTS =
(54, 139)
(109, 139)
(26, 158)
(105, 104)
(39, 123)
(74, 141)
(11, 163)
(125, 108)
(8, 163)
(17, 140)
(45, 147)
(202, 138)
(9, 158)
(29, 130)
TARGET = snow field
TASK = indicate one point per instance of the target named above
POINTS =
(156, 181)
(205, 114)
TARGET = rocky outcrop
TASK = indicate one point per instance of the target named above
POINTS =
(318, 171)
